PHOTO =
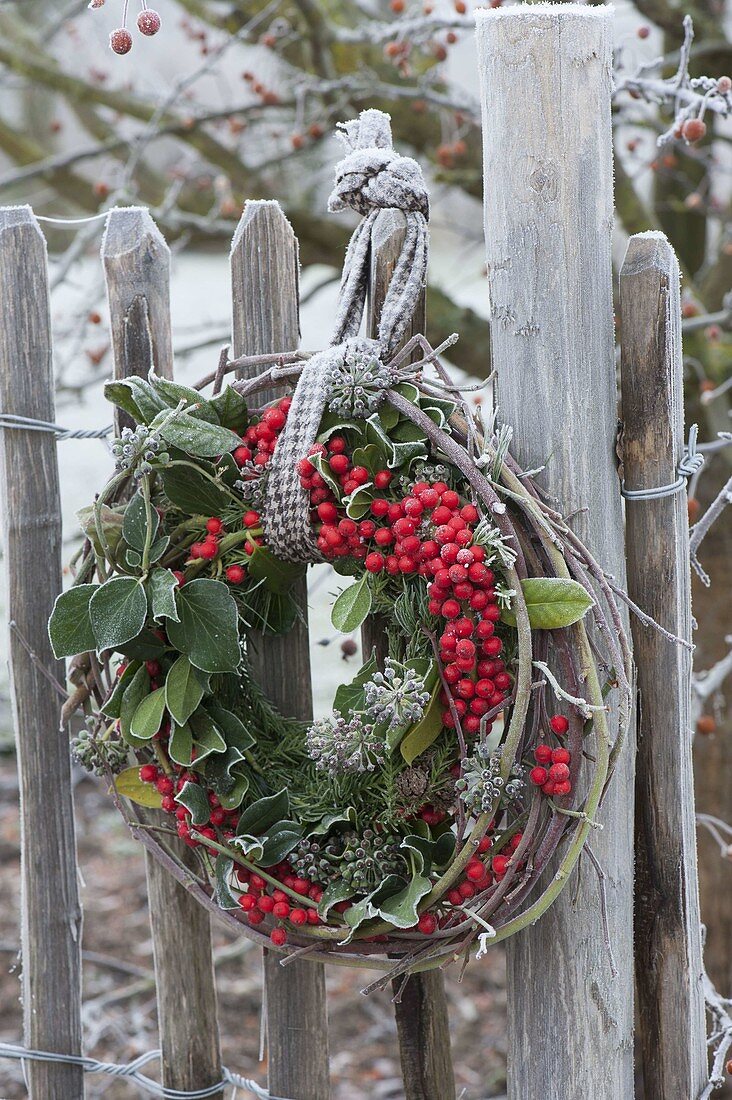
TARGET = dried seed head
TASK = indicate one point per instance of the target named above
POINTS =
(120, 41)
(96, 4)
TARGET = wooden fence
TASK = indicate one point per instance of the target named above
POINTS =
(548, 214)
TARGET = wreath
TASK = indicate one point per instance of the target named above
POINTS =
(416, 821)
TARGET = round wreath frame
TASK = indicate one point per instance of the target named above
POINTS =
(593, 662)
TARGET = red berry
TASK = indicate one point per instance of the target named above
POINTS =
(339, 464)
(543, 754)
(278, 936)
(427, 923)
(374, 562)
(538, 776)
(558, 773)
(251, 519)
(235, 574)
(148, 22)
(281, 909)
(148, 773)
(242, 455)
(475, 871)
(248, 902)
(561, 756)
(120, 41)
(451, 609)
(500, 863)
(563, 787)
(298, 916)
(255, 917)
(382, 479)
(559, 724)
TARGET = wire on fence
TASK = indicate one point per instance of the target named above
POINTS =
(131, 1071)
(28, 424)
(691, 463)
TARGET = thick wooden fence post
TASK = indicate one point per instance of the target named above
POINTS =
(545, 85)
(668, 954)
(51, 913)
(421, 1010)
(264, 274)
(137, 270)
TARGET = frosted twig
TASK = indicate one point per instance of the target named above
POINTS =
(582, 705)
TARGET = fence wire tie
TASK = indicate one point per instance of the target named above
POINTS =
(691, 463)
(131, 1071)
(28, 424)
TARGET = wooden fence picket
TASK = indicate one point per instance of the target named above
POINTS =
(137, 270)
(31, 523)
(668, 950)
(264, 272)
(548, 218)
(421, 1005)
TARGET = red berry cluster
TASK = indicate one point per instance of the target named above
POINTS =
(429, 532)
(552, 765)
(260, 439)
(120, 40)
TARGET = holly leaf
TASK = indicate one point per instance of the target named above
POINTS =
(358, 503)
(280, 841)
(148, 717)
(207, 630)
(129, 785)
(192, 492)
(69, 628)
(206, 736)
(231, 409)
(194, 798)
(161, 588)
(136, 691)
(352, 606)
(134, 524)
(552, 602)
(258, 819)
(222, 870)
(183, 690)
(117, 610)
(196, 437)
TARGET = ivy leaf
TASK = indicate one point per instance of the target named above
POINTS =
(231, 409)
(194, 797)
(352, 606)
(369, 456)
(350, 697)
(207, 630)
(335, 892)
(278, 575)
(401, 909)
(192, 492)
(426, 731)
(118, 610)
(183, 691)
(145, 647)
(173, 393)
(197, 438)
(112, 706)
(327, 822)
(259, 818)
(69, 628)
(129, 785)
(148, 718)
(134, 524)
(552, 602)
(222, 870)
(367, 908)
(161, 588)
(137, 690)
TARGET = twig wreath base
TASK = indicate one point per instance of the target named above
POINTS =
(415, 823)
(478, 816)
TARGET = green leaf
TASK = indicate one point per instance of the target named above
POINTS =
(208, 628)
(173, 393)
(358, 503)
(258, 819)
(369, 456)
(328, 821)
(134, 525)
(228, 784)
(138, 689)
(148, 718)
(129, 785)
(407, 432)
(192, 492)
(552, 602)
(231, 409)
(401, 909)
(161, 588)
(350, 697)
(279, 576)
(233, 729)
(408, 390)
(367, 908)
(321, 464)
(197, 438)
(136, 397)
(335, 892)
(403, 454)
(426, 731)
(69, 628)
(118, 610)
(133, 558)
(206, 736)
(281, 839)
(222, 871)
(183, 691)
(352, 606)
(180, 746)
(147, 646)
(194, 797)
(158, 548)
(112, 706)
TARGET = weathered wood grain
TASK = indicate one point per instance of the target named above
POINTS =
(31, 514)
(137, 268)
(545, 74)
(264, 273)
(421, 1011)
(668, 960)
